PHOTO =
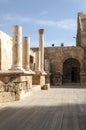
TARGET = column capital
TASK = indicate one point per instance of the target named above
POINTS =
(17, 26)
(17, 29)
(26, 39)
(41, 31)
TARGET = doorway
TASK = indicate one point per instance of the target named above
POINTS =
(71, 71)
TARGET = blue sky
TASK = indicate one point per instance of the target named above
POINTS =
(57, 17)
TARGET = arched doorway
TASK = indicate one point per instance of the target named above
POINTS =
(71, 71)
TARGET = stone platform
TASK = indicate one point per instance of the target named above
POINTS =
(15, 85)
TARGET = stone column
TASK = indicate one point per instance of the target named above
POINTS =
(16, 50)
(26, 53)
(41, 49)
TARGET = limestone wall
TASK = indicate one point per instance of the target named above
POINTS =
(14, 87)
(57, 56)
(7, 97)
(81, 30)
(36, 79)
(5, 51)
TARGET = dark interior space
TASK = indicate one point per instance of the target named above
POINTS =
(71, 71)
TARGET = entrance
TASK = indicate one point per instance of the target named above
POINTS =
(71, 71)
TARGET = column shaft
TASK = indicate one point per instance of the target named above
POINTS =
(26, 53)
(16, 50)
(41, 49)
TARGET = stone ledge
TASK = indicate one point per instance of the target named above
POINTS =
(16, 72)
(83, 74)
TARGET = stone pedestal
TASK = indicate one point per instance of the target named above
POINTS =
(39, 79)
(47, 70)
(47, 79)
(15, 85)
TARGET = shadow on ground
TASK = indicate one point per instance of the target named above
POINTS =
(64, 117)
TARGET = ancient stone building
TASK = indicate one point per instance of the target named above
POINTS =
(24, 69)
(68, 64)
(20, 72)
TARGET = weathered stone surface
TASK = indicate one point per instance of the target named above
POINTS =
(5, 53)
(38, 79)
(17, 85)
(7, 96)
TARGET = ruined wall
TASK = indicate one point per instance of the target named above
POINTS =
(81, 30)
(36, 79)
(5, 51)
(17, 68)
(14, 87)
(57, 56)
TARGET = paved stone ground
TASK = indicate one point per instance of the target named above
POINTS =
(54, 109)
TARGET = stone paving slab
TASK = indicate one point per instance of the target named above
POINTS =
(53, 109)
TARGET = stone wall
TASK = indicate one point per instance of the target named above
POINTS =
(36, 79)
(14, 87)
(81, 30)
(5, 51)
(57, 56)
(83, 78)
(7, 97)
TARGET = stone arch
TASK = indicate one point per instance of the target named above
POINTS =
(71, 71)
(73, 57)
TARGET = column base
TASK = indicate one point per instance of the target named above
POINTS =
(16, 68)
(27, 68)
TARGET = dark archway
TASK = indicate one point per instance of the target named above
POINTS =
(71, 71)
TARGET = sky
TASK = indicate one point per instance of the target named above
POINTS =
(57, 17)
